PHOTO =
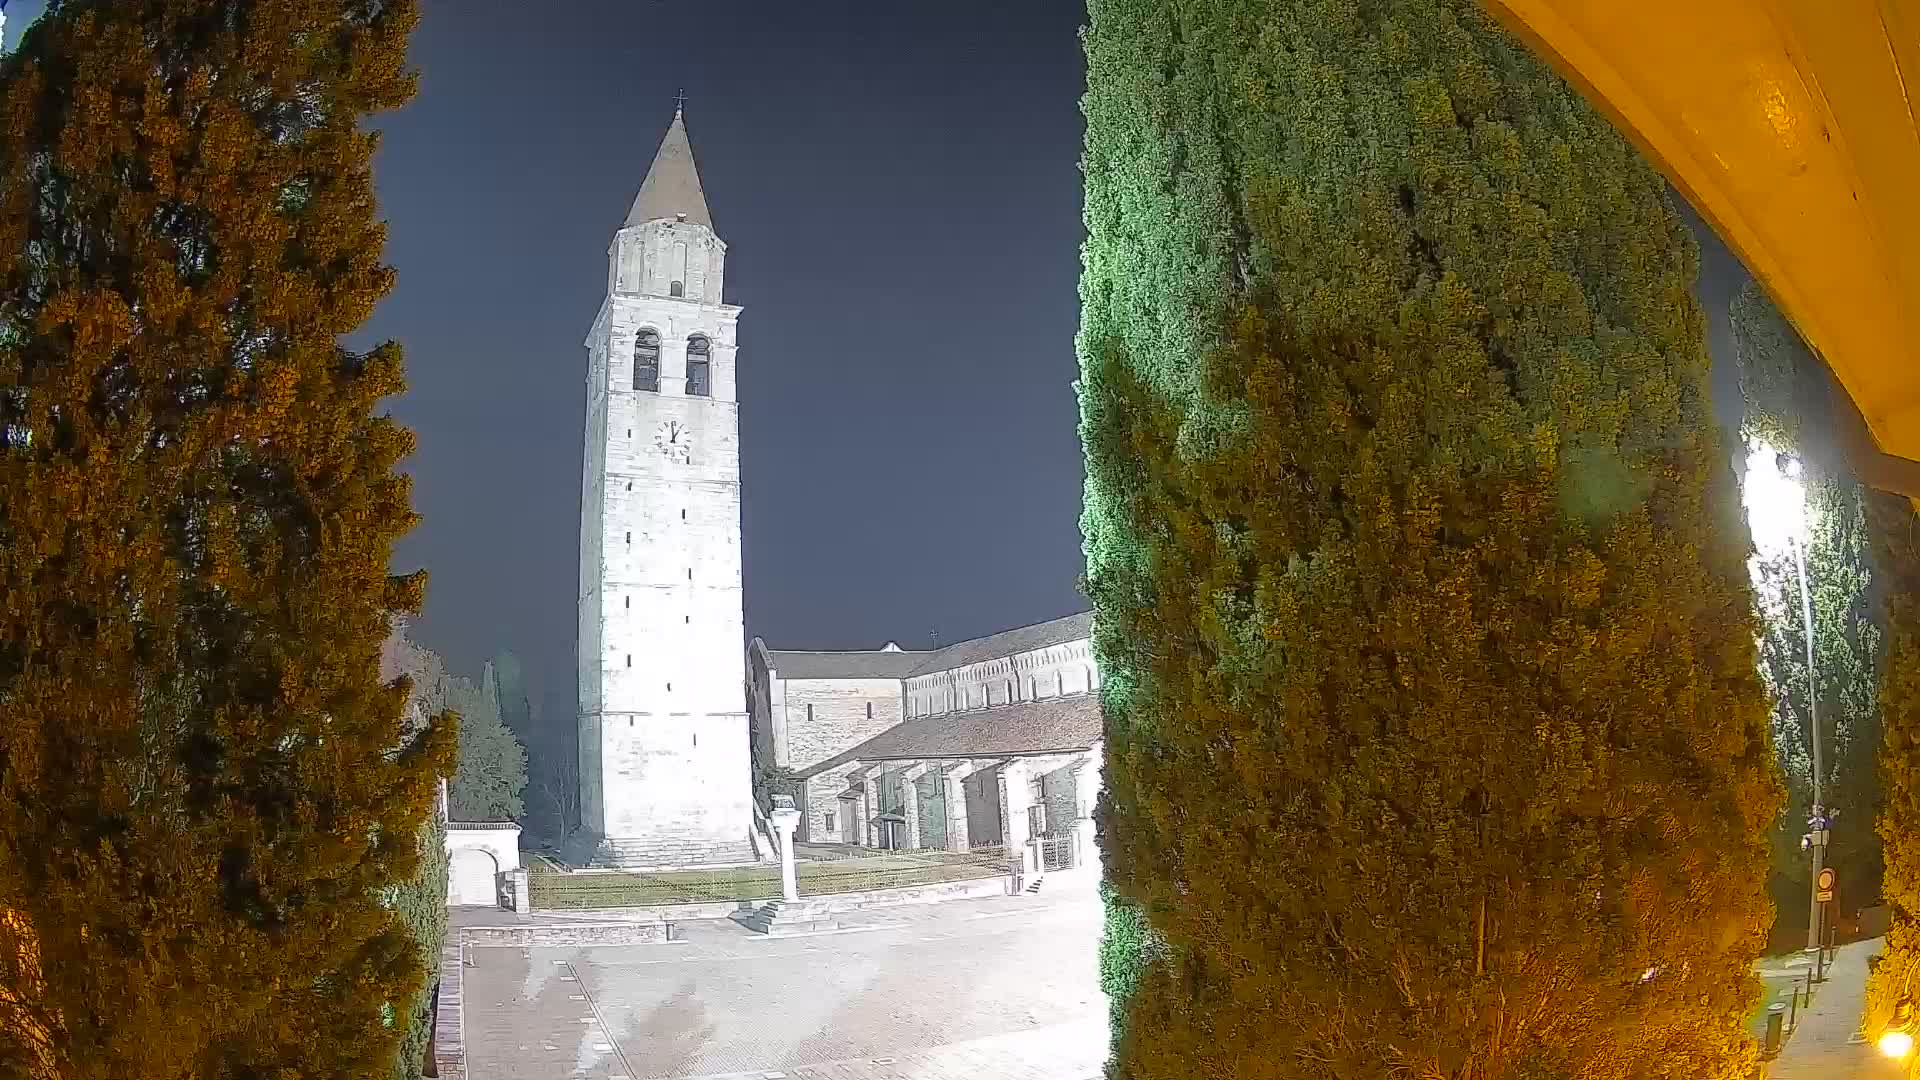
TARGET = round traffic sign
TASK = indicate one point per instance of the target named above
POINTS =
(1825, 879)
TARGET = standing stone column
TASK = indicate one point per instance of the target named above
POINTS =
(910, 803)
(1015, 798)
(857, 815)
(955, 803)
(1086, 789)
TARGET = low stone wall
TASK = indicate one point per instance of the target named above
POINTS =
(534, 935)
(449, 1021)
(671, 913)
(837, 903)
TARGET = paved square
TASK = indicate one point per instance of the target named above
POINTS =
(1002, 989)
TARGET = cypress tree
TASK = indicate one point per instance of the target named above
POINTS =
(421, 905)
(205, 794)
(1435, 743)
(1896, 537)
(492, 774)
(1778, 379)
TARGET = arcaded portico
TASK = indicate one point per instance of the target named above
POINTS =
(985, 743)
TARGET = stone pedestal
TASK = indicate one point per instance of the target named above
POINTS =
(785, 820)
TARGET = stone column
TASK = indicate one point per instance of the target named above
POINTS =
(869, 807)
(955, 782)
(1014, 800)
(857, 807)
(785, 819)
(1086, 789)
(910, 802)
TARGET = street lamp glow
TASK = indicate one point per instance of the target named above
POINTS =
(1776, 500)
(1896, 1044)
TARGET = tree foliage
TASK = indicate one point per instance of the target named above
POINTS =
(1896, 534)
(491, 772)
(493, 765)
(421, 904)
(1777, 382)
(205, 794)
(1435, 743)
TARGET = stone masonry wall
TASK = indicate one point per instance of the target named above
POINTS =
(824, 718)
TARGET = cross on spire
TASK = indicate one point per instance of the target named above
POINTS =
(680, 102)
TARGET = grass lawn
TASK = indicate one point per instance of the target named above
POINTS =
(554, 889)
(1779, 988)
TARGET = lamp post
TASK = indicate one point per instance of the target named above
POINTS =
(1818, 821)
(1775, 496)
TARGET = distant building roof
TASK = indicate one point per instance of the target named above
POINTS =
(1052, 725)
(893, 663)
(863, 664)
(1020, 639)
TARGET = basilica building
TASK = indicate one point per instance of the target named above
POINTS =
(993, 742)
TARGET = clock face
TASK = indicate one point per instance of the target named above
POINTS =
(674, 442)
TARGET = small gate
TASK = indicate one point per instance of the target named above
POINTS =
(1056, 852)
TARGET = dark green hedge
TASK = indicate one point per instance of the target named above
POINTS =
(1433, 724)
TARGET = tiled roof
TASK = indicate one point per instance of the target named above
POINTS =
(896, 664)
(865, 664)
(1021, 639)
(1051, 725)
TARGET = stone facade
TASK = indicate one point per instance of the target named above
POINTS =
(664, 758)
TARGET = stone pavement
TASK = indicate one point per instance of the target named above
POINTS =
(1828, 1045)
(986, 989)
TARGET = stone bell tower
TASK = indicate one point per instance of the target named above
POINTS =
(665, 770)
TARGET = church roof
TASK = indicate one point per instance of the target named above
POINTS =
(672, 186)
(1020, 639)
(1048, 726)
(864, 664)
(894, 663)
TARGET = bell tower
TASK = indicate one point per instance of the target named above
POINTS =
(665, 770)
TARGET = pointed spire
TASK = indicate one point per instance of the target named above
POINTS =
(672, 187)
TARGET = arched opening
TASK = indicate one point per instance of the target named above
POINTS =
(646, 361)
(473, 878)
(699, 367)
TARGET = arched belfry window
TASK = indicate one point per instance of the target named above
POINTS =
(646, 361)
(699, 368)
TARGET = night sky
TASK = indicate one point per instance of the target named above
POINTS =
(897, 184)
(899, 191)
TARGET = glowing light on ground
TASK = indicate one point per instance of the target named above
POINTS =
(1896, 1044)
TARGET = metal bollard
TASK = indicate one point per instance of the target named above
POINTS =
(1776, 1021)
(1793, 1016)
